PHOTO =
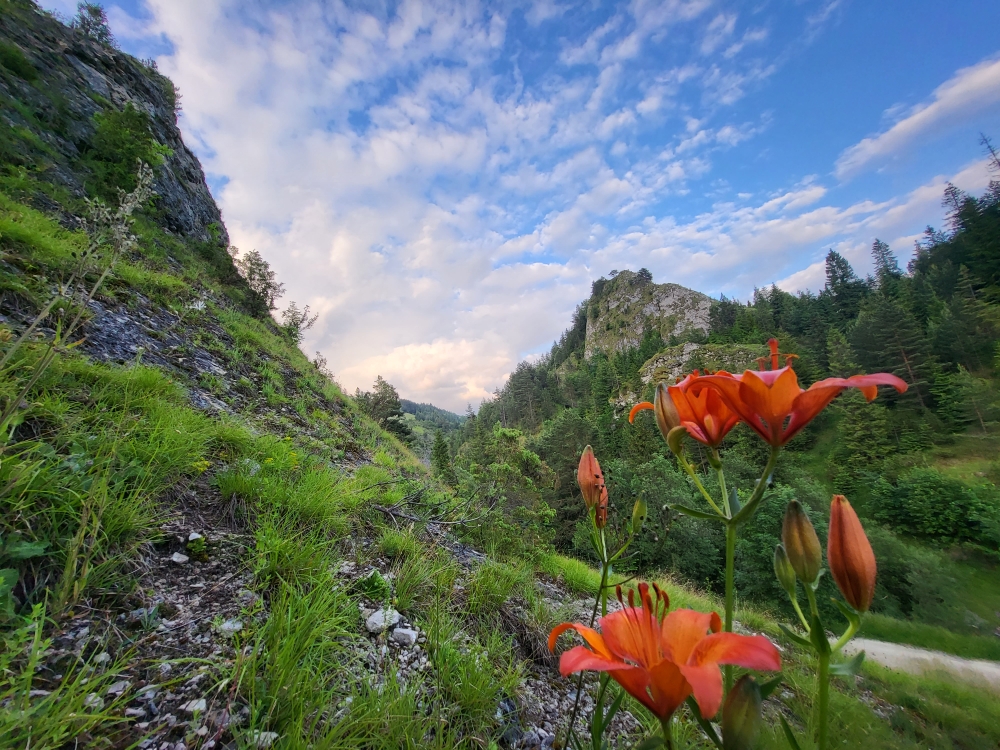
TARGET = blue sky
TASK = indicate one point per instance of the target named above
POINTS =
(443, 181)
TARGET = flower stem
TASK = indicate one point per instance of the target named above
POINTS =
(697, 482)
(842, 641)
(730, 590)
(824, 699)
(668, 739)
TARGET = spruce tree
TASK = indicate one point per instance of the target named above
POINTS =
(441, 460)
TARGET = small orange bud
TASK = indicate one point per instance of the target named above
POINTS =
(852, 561)
(801, 543)
(601, 515)
(667, 417)
(591, 479)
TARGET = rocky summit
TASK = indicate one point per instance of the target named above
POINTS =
(629, 305)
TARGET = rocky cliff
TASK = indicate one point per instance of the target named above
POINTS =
(622, 309)
(53, 81)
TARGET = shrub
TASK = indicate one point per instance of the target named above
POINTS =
(928, 504)
(122, 138)
(14, 60)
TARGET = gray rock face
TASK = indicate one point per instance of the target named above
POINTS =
(624, 307)
(77, 78)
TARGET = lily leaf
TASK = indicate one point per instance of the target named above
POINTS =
(849, 614)
(795, 637)
(848, 668)
(817, 635)
(705, 724)
(766, 688)
(734, 501)
(789, 735)
(695, 513)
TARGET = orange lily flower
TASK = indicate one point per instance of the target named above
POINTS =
(772, 403)
(704, 414)
(852, 561)
(661, 660)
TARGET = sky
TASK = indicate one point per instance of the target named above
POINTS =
(442, 181)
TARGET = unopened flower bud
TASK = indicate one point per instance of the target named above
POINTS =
(852, 561)
(741, 715)
(801, 543)
(601, 513)
(590, 478)
(784, 571)
(638, 514)
(667, 417)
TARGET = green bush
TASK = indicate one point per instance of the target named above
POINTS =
(14, 60)
(121, 139)
(926, 503)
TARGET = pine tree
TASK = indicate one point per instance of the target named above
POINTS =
(887, 338)
(441, 460)
(887, 271)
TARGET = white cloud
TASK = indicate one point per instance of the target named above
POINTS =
(444, 205)
(969, 92)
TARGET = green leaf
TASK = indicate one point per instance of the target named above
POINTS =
(650, 743)
(766, 688)
(8, 580)
(613, 709)
(24, 550)
(789, 735)
(795, 637)
(705, 724)
(848, 668)
(848, 612)
(817, 636)
(734, 502)
(696, 513)
(747, 511)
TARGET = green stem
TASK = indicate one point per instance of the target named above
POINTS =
(824, 699)
(668, 740)
(848, 634)
(730, 590)
(762, 484)
(798, 611)
(722, 484)
(697, 482)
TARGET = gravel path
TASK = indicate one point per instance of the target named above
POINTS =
(919, 660)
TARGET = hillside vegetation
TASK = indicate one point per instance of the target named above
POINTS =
(205, 543)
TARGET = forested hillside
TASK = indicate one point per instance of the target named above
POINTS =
(921, 466)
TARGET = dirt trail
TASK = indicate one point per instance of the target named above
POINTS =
(919, 660)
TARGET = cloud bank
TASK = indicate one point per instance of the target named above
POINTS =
(442, 181)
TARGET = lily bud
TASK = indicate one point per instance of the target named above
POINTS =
(667, 417)
(638, 514)
(852, 561)
(784, 571)
(741, 715)
(801, 543)
(590, 478)
(601, 514)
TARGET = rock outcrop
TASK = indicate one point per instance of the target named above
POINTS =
(622, 309)
(53, 80)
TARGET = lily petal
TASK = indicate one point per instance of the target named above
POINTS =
(706, 685)
(669, 688)
(684, 629)
(591, 636)
(579, 658)
(749, 651)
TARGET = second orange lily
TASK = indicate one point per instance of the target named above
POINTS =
(772, 403)
(702, 412)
